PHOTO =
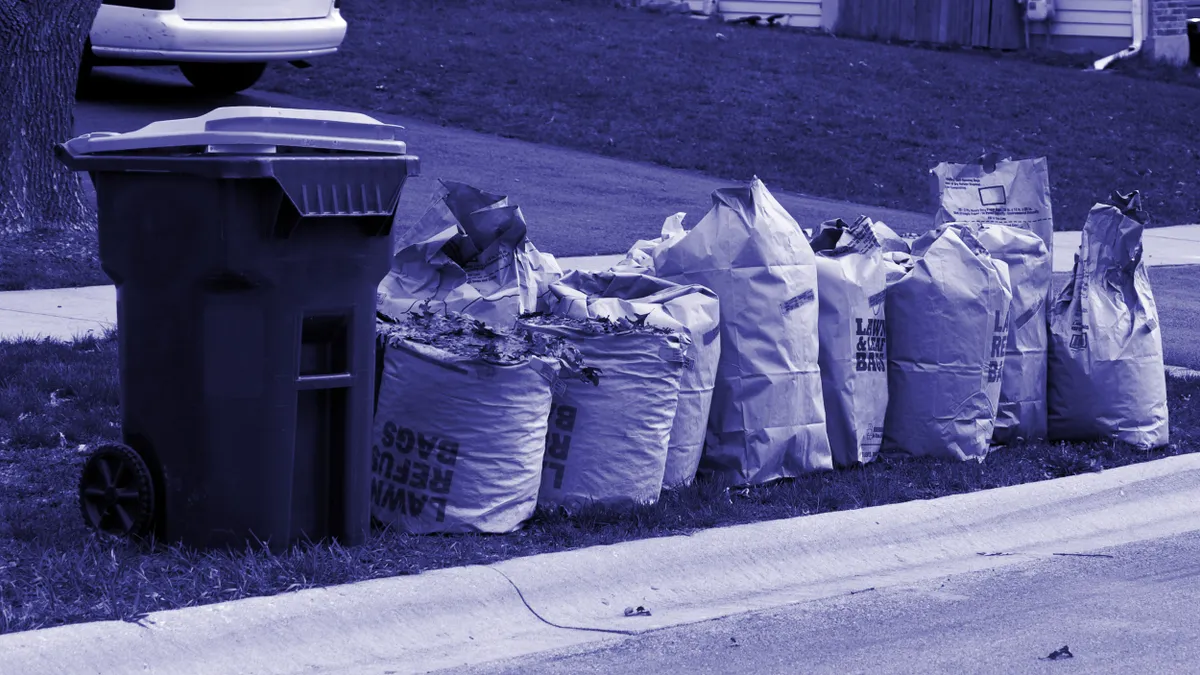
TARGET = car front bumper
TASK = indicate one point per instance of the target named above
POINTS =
(143, 35)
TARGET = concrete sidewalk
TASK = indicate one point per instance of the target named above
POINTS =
(64, 314)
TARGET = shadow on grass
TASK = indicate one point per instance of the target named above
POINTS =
(55, 397)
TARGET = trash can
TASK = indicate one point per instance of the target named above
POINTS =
(246, 246)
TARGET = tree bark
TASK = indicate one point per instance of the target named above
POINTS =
(41, 43)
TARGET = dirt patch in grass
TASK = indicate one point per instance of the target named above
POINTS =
(54, 398)
(836, 118)
(45, 258)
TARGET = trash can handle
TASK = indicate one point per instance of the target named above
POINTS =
(317, 132)
(325, 381)
(366, 189)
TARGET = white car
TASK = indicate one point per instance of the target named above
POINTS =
(222, 46)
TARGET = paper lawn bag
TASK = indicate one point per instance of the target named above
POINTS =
(1022, 411)
(458, 437)
(608, 439)
(1106, 375)
(691, 310)
(768, 416)
(889, 241)
(852, 284)
(947, 336)
(997, 192)
(468, 253)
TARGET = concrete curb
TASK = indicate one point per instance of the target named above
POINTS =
(474, 614)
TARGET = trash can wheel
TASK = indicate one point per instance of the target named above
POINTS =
(116, 491)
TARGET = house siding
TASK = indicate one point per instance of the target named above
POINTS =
(1090, 19)
(798, 13)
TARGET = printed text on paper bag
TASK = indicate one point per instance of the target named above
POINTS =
(558, 441)
(411, 470)
(999, 345)
(870, 350)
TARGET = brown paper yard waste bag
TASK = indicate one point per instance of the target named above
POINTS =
(468, 253)
(1022, 412)
(897, 264)
(947, 336)
(768, 416)
(691, 310)
(460, 428)
(889, 241)
(640, 257)
(852, 285)
(1106, 376)
(607, 440)
(997, 191)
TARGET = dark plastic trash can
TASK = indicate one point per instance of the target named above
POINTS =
(246, 246)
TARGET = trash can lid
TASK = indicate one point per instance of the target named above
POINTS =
(252, 130)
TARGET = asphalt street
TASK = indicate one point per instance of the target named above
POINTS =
(1177, 294)
(1129, 609)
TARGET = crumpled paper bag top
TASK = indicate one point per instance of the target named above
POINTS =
(468, 253)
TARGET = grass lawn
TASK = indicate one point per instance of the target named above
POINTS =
(836, 118)
(55, 398)
(50, 259)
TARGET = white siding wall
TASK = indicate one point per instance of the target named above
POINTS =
(799, 13)
(1090, 18)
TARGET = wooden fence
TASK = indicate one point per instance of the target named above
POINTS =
(995, 24)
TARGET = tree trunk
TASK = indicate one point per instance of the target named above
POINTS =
(41, 43)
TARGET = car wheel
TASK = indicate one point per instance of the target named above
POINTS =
(222, 78)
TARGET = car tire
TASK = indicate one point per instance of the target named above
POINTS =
(222, 78)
